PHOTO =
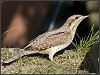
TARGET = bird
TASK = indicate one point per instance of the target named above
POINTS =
(52, 41)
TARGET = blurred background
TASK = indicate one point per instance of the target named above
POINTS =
(25, 20)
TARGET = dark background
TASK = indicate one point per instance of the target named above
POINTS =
(36, 17)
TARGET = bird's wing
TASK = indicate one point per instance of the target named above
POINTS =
(48, 40)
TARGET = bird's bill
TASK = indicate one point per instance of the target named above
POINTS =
(77, 22)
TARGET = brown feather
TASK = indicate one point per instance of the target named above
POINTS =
(44, 42)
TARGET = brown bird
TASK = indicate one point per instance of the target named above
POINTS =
(52, 41)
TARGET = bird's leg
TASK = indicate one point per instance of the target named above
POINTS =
(52, 52)
(51, 56)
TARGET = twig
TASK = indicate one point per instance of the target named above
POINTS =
(8, 31)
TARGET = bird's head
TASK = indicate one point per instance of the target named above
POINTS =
(74, 21)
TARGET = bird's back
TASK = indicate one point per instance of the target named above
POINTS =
(49, 39)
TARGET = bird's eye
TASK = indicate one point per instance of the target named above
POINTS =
(76, 17)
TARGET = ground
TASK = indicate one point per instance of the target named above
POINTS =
(67, 62)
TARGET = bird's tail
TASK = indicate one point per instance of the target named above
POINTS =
(19, 54)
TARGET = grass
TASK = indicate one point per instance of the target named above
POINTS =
(87, 42)
(66, 63)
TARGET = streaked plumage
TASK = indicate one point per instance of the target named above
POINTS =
(52, 41)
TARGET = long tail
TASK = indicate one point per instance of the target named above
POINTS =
(19, 54)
